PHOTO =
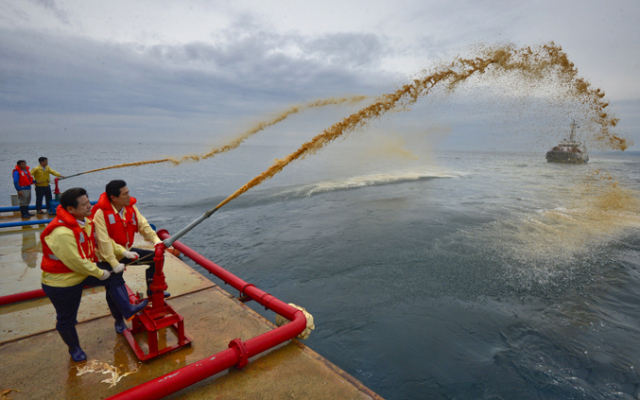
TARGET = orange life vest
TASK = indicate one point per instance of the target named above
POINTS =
(86, 246)
(24, 177)
(121, 231)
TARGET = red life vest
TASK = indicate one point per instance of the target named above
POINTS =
(86, 246)
(121, 231)
(24, 177)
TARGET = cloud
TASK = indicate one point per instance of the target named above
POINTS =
(57, 73)
(347, 49)
(137, 63)
(242, 47)
(257, 71)
(51, 6)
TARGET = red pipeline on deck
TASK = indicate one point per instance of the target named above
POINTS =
(238, 352)
(18, 297)
(24, 296)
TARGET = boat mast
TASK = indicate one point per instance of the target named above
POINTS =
(574, 125)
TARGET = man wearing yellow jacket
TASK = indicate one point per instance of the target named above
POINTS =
(69, 263)
(117, 220)
(41, 177)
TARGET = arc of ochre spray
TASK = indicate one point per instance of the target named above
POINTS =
(237, 141)
(535, 62)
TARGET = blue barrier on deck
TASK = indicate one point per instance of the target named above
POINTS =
(17, 208)
(24, 223)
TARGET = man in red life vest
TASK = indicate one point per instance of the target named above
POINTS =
(22, 181)
(69, 263)
(117, 220)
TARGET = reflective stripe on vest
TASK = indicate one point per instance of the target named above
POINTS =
(121, 230)
(86, 245)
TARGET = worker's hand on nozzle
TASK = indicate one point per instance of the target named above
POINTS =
(160, 243)
(118, 268)
(105, 276)
(131, 255)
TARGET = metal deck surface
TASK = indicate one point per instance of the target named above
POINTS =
(36, 364)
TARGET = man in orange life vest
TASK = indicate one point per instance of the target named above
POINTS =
(22, 180)
(117, 219)
(69, 263)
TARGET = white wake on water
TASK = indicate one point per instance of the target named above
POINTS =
(362, 181)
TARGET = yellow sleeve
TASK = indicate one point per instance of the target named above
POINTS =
(35, 173)
(118, 250)
(52, 172)
(63, 244)
(145, 230)
(106, 249)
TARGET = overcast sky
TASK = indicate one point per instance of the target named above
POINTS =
(193, 69)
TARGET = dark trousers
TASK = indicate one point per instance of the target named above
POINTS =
(66, 300)
(43, 191)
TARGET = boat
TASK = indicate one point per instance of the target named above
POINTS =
(569, 150)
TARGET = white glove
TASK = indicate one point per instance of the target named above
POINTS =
(131, 255)
(105, 276)
(118, 268)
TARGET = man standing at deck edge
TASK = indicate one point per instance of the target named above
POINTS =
(22, 180)
(41, 178)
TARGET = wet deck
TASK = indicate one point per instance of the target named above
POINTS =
(36, 362)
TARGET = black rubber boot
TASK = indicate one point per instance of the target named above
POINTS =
(120, 297)
(149, 275)
(117, 315)
(24, 211)
(70, 338)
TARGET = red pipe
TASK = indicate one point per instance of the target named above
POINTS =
(238, 352)
(24, 296)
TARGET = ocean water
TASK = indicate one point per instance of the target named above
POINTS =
(447, 275)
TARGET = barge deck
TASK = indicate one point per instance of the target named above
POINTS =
(36, 365)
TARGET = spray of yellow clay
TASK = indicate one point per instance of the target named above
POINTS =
(237, 141)
(532, 62)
